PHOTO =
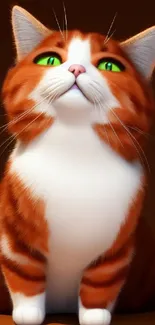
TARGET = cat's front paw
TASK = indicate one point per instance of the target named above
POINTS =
(23, 315)
(95, 317)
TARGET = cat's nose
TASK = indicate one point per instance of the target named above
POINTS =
(77, 69)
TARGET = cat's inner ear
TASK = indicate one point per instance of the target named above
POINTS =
(28, 31)
(141, 51)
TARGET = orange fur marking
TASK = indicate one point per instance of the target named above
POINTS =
(17, 284)
(28, 237)
(99, 288)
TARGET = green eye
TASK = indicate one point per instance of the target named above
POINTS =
(48, 60)
(110, 65)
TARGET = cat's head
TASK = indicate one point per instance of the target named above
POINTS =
(85, 79)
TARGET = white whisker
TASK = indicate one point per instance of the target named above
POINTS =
(110, 36)
(29, 111)
(50, 90)
(134, 141)
(61, 32)
(143, 157)
(147, 135)
(21, 116)
(66, 22)
(53, 98)
(105, 131)
(111, 25)
(116, 135)
(13, 137)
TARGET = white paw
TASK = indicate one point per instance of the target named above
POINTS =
(95, 317)
(23, 315)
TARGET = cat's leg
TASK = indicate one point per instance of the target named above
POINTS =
(102, 282)
(101, 285)
(24, 251)
(24, 273)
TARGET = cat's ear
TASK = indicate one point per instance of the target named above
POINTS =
(141, 51)
(28, 31)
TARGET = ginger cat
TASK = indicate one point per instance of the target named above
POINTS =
(78, 105)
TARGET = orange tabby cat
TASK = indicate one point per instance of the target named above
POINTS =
(78, 105)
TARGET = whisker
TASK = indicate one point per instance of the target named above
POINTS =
(111, 25)
(13, 137)
(94, 84)
(8, 139)
(111, 35)
(98, 102)
(17, 119)
(27, 112)
(134, 141)
(51, 90)
(61, 32)
(131, 127)
(115, 133)
(143, 157)
(63, 24)
(105, 130)
(66, 22)
(53, 98)
(147, 135)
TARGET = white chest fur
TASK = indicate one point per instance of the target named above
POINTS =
(87, 190)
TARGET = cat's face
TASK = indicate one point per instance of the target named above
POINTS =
(81, 80)
(74, 82)
(76, 78)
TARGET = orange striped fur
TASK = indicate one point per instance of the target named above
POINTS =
(103, 281)
(17, 205)
(30, 243)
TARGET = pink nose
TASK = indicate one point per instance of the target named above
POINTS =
(77, 69)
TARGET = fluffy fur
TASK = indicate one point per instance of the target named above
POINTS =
(74, 184)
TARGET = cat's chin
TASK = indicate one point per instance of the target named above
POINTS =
(73, 105)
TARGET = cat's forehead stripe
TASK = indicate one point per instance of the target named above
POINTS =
(79, 50)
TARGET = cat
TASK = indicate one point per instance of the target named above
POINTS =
(79, 105)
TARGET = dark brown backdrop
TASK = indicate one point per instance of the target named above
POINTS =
(95, 15)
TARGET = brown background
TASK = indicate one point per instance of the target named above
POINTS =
(95, 15)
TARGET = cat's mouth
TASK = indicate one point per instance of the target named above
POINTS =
(75, 90)
(75, 86)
